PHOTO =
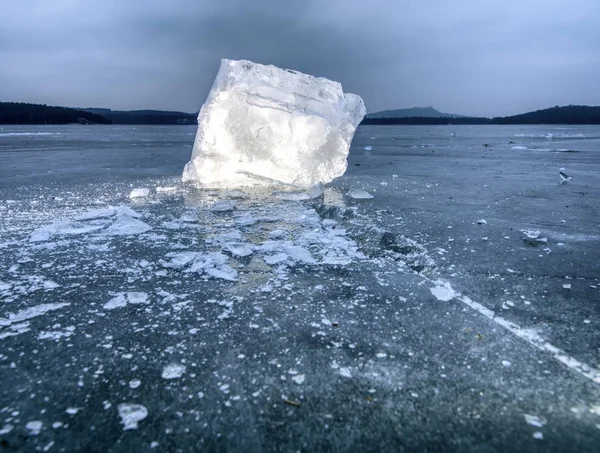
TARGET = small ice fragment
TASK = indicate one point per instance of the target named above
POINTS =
(531, 234)
(368, 148)
(139, 192)
(154, 444)
(381, 355)
(57, 425)
(34, 427)
(118, 301)
(136, 298)
(443, 291)
(236, 194)
(50, 285)
(292, 196)
(586, 321)
(359, 194)
(126, 225)
(166, 189)
(72, 410)
(506, 363)
(538, 435)
(131, 414)
(223, 206)
(534, 420)
(173, 371)
(315, 191)
(345, 372)
(482, 222)
(134, 383)
(566, 286)
(6, 429)
(298, 379)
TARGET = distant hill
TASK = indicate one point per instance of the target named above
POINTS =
(145, 116)
(21, 113)
(570, 114)
(415, 112)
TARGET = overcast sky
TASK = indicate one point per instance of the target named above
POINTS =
(474, 57)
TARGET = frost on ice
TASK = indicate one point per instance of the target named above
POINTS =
(262, 125)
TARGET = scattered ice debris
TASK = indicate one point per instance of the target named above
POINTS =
(63, 228)
(263, 124)
(173, 371)
(298, 379)
(56, 334)
(34, 427)
(442, 291)
(534, 420)
(213, 264)
(358, 194)
(139, 192)
(131, 414)
(223, 206)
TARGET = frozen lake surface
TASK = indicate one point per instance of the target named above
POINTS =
(457, 310)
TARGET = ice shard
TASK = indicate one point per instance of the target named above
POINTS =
(263, 125)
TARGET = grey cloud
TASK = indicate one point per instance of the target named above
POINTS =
(481, 58)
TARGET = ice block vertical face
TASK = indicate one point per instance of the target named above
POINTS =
(264, 125)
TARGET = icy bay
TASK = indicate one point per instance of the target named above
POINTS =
(459, 304)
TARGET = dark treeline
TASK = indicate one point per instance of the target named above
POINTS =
(145, 116)
(20, 113)
(571, 114)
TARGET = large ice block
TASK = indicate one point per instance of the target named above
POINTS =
(264, 125)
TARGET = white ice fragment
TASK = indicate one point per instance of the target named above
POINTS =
(50, 285)
(443, 291)
(166, 189)
(534, 420)
(381, 355)
(6, 429)
(298, 379)
(482, 222)
(506, 363)
(34, 427)
(72, 410)
(32, 312)
(223, 206)
(139, 192)
(97, 214)
(345, 372)
(173, 371)
(262, 125)
(118, 301)
(519, 147)
(538, 435)
(292, 196)
(131, 414)
(358, 194)
(136, 298)
(134, 383)
(566, 286)
(316, 190)
(126, 225)
(368, 148)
